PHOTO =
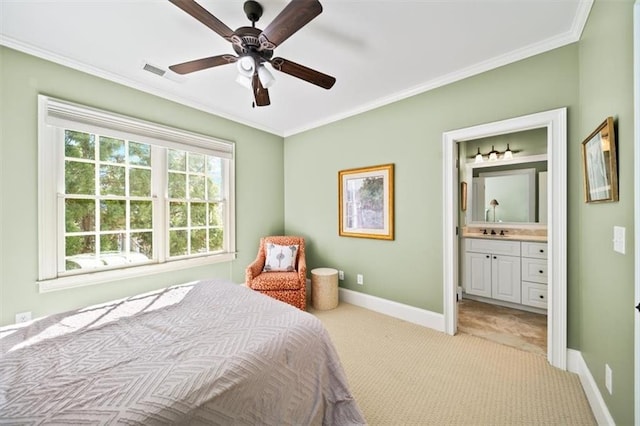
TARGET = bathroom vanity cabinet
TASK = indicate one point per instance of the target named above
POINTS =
(506, 271)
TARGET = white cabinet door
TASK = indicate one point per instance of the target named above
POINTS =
(505, 283)
(477, 274)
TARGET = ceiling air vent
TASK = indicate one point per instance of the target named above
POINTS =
(154, 69)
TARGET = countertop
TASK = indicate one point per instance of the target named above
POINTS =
(513, 237)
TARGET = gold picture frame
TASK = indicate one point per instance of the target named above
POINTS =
(600, 169)
(365, 202)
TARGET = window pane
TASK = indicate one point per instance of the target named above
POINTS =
(196, 162)
(139, 154)
(84, 244)
(198, 214)
(196, 187)
(111, 243)
(177, 185)
(112, 150)
(177, 160)
(214, 177)
(213, 190)
(80, 215)
(198, 241)
(79, 178)
(142, 242)
(139, 182)
(215, 239)
(177, 243)
(112, 215)
(141, 215)
(79, 145)
(112, 180)
(215, 214)
(177, 215)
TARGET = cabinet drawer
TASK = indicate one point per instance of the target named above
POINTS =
(537, 250)
(534, 270)
(509, 248)
(534, 294)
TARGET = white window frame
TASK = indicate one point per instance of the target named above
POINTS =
(54, 115)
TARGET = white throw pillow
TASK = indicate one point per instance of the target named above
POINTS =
(280, 258)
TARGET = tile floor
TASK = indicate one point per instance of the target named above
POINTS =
(512, 327)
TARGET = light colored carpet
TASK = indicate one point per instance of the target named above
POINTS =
(520, 329)
(404, 374)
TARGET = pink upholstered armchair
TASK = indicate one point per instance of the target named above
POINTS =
(285, 276)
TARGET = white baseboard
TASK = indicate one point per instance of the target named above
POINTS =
(576, 364)
(394, 309)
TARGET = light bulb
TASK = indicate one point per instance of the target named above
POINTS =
(246, 66)
(265, 76)
(244, 81)
(508, 155)
(479, 158)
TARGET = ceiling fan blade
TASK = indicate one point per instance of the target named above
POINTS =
(300, 71)
(202, 15)
(294, 16)
(260, 94)
(202, 64)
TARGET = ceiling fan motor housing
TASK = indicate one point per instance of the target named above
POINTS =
(246, 42)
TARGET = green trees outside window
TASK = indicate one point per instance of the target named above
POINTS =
(109, 204)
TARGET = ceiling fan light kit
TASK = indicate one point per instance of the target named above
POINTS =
(254, 47)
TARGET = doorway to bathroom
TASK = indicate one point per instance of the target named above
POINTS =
(554, 123)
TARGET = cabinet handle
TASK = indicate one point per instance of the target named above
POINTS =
(495, 257)
(488, 256)
(541, 250)
(541, 271)
(541, 296)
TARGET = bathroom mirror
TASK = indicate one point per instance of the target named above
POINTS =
(506, 189)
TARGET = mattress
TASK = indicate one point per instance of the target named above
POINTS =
(210, 352)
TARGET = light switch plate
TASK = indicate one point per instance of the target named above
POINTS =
(619, 239)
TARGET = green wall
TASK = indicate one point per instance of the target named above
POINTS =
(602, 281)
(259, 169)
(593, 79)
(408, 133)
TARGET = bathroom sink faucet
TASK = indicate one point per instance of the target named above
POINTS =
(493, 232)
(502, 232)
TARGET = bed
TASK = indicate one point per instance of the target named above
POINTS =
(210, 352)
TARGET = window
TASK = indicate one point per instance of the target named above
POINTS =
(120, 197)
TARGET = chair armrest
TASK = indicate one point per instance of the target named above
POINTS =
(253, 270)
(302, 270)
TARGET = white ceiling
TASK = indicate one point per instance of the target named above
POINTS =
(379, 51)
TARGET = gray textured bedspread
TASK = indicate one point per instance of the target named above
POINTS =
(211, 352)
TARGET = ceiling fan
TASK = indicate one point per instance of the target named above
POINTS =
(254, 46)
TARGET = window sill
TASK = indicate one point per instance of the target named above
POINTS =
(81, 280)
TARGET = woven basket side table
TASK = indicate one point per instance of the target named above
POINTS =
(324, 288)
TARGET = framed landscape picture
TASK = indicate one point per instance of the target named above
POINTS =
(599, 164)
(365, 202)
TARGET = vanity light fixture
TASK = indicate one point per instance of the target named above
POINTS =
(508, 155)
(493, 154)
(479, 158)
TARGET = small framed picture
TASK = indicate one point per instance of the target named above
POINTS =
(365, 202)
(599, 164)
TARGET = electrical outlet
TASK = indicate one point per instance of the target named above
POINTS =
(341, 275)
(23, 317)
(360, 279)
(608, 378)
